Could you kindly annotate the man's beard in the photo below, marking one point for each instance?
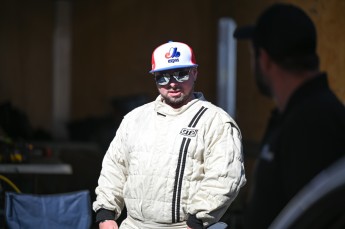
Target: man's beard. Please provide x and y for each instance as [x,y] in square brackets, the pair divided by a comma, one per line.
[263,86]
[177,102]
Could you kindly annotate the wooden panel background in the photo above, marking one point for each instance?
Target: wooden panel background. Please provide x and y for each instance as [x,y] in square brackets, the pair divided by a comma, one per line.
[112,43]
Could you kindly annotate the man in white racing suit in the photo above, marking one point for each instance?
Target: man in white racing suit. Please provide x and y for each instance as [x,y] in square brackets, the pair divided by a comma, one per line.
[175,162]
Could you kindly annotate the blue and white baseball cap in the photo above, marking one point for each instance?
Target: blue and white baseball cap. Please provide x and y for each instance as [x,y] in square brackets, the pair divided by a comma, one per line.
[172,55]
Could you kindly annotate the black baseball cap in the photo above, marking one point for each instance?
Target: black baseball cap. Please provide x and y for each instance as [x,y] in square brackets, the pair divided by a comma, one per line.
[284,31]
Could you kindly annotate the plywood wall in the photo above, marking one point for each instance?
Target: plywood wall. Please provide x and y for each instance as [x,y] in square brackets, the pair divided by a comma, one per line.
[112,42]
[26,31]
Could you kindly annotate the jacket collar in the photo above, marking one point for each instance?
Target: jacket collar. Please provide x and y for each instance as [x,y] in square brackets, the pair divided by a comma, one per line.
[163,108]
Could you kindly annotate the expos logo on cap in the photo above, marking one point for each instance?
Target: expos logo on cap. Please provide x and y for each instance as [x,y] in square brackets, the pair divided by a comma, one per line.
[172,55]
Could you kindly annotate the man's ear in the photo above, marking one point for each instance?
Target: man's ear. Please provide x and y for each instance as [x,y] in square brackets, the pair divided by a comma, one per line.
[195,73]
[264,60]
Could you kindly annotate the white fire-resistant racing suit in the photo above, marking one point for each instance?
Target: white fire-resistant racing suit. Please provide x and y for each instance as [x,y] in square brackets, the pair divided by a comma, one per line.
[165,164]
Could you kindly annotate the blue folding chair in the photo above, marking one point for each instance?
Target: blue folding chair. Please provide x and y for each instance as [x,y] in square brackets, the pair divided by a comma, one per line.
[54,211]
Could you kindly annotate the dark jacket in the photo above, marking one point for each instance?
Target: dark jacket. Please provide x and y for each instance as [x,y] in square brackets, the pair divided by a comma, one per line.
[298,144]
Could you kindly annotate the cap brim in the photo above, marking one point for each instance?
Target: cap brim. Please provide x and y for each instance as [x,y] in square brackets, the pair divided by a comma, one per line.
[245,32]
[173,67]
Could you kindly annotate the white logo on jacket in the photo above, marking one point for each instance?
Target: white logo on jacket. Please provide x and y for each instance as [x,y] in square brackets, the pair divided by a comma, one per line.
[266,154]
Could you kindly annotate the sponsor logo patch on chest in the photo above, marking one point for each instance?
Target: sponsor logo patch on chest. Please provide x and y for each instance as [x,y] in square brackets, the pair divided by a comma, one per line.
[188,132]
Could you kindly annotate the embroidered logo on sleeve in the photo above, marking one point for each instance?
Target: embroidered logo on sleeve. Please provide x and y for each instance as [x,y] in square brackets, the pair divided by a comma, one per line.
[188,132]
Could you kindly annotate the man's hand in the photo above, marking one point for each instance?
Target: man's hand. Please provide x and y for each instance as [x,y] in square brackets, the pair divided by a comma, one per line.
[108,224]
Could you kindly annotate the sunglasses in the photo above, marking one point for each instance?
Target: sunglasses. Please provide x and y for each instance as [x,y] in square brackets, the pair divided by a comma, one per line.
[163,78]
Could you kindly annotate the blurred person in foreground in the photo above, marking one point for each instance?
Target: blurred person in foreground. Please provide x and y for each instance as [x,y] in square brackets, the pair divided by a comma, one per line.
[306,131]
[175,162]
